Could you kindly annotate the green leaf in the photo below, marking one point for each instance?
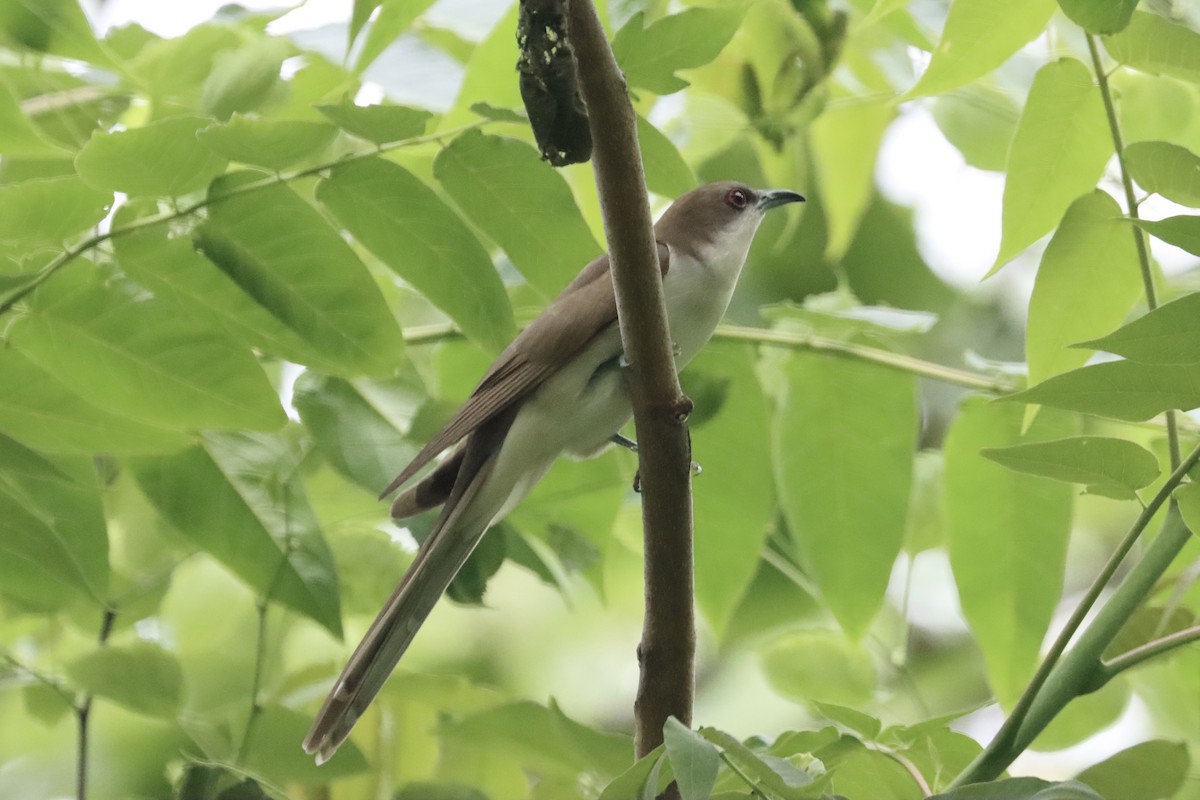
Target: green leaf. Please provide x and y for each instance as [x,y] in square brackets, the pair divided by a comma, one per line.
[1182,231]
[844,426]
[52,26]
[45,704]
[1114,468]
[1086,284]
[358,18]
[1153,44]
[667,174]
[274,750]
[280,250]
[1007,540]
[50,210]
[980,121]
[520,202]
[489,74]
[379,124]
[1188,497]
[633,782]
[810,665]
[53,537]
[539,738]
[980,35]
[199,289]
[19,137]
[244,79]
[940,754]
[650,55]
[1149,623]
[405,224]
[1058,152]
[394,18]
[1120,389]
[859,772]
[1100,18]
[358,426]
[845,142]
[133,355]
[694,761]
[256,519]
[1166,169]
[573,509]
[1147,771]
[734,449]
[141,677]
[497,114]
[863,724]
[48,414]
[1170,334]
[1084,716]
[757,767]
[270,143]
[1020,789]
[925,527]
[161,158]
[173,70]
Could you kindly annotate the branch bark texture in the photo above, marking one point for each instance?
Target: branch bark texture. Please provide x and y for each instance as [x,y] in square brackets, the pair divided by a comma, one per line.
[660,409]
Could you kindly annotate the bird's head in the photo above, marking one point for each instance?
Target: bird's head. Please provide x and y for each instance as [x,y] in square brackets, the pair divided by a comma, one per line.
[720,217]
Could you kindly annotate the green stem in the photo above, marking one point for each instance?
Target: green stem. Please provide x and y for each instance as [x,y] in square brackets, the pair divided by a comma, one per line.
[260,649]
[1139,237]
[83,712]
[261,606]
[1152,649]
[46,681]
[71,253]
[875,355]
[1036,707]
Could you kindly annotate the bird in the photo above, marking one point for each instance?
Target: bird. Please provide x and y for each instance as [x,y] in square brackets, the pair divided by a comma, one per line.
[557,389]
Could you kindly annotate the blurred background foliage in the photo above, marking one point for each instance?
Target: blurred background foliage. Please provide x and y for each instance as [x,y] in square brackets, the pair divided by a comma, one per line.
[247,270]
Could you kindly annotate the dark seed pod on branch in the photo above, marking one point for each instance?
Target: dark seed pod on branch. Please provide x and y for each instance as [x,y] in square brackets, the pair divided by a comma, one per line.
[548,82]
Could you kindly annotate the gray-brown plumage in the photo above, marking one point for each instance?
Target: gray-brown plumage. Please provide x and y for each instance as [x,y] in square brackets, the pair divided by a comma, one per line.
[557,388]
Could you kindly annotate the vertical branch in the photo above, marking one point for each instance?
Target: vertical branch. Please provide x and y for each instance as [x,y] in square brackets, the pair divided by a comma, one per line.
[83,712]
[660,408]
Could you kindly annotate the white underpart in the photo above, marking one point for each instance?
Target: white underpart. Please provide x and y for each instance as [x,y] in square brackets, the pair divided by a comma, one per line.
[577,410]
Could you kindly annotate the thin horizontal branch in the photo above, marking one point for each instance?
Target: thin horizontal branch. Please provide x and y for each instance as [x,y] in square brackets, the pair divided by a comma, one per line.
[876,355]
[428,334]
[1152,649]
[69,254]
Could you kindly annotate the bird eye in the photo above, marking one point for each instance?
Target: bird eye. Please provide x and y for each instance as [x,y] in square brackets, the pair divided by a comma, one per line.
[737,198]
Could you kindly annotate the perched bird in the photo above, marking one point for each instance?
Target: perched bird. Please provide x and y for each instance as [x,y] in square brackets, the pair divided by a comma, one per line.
[556,389]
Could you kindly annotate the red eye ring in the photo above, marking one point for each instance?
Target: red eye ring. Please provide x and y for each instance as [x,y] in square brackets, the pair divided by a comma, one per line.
[737,199]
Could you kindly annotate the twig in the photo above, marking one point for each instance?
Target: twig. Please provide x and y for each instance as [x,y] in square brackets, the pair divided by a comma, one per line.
[1128,660]
[71,253]
[261,606]
[83,712]
[660,408]
[876,355]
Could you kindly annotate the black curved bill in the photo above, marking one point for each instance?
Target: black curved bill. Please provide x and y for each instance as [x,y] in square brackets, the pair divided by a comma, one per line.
[769,198]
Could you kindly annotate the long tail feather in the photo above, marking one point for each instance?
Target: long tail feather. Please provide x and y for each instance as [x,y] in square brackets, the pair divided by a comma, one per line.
[452,540]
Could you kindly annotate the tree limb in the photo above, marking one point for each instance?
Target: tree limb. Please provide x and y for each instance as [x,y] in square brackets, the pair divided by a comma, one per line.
[660,408]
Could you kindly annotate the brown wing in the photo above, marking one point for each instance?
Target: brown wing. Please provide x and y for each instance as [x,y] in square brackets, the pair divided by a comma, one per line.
[574,318]
[583,309]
